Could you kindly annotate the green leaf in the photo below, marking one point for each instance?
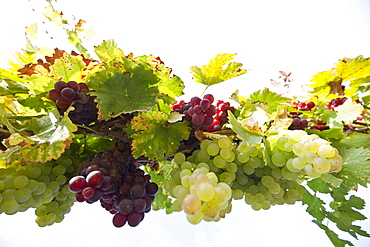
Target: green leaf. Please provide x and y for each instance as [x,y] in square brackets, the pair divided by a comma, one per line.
[218,70]
[127,92]
[354,139]
[329,178]
[322,79]
[272,99]
[333,133]
[108,51]
[351,68]
[356,166]
[252,138]
[167,85]
[52,135]
[319,185]
[315,206]
[155,138]
[333,236]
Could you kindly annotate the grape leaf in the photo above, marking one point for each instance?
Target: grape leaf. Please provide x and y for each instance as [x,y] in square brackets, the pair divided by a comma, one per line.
[155,138]
[333,133]
[268,97]
[216,72]
[108,51]
[315,206]
[319,185]
[52,135]
[356,166]
[351,68]
[333,236]
[252,138]
[321,81]
[354,139]
[126,92]
[168,85]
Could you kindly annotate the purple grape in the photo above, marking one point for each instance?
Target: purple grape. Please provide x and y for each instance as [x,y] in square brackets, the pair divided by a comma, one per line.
[137,191]
[139,205]
[151,188]
[68,93]
[53,95]
[74,85]
[133,219]
[195,101]
[63,103]
[59,85]
[125,206]
[198,118]
[119,220]
[205,104]
[209,97]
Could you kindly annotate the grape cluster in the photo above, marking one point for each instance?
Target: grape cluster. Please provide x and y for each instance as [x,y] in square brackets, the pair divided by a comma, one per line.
[221,116]
[298,123]
[73,93]
[198,191]
[202,113]
[42,186]
[303,106]
[335,103]
[121,188]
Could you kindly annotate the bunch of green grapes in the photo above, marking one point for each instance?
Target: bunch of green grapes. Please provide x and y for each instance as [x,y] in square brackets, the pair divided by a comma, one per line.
[43,186]
[198,191]
[300,153]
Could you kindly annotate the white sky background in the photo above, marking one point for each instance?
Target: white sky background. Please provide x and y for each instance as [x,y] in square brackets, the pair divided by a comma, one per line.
[303,37]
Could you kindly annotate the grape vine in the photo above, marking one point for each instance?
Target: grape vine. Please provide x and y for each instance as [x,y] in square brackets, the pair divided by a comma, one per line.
[113,131]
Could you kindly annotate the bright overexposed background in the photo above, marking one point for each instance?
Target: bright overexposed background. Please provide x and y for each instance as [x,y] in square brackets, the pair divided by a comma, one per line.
[303,37]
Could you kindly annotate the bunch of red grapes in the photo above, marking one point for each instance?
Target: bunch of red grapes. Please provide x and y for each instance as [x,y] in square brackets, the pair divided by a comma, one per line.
[70,93]
[202,114]
[122,189]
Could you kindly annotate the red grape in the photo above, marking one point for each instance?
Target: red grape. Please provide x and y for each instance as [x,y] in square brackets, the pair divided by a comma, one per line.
[77,184]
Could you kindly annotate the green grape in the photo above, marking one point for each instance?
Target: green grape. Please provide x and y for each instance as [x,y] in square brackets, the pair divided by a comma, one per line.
[227,187]
[58,170]
[186,165]
[290,184]
[20,181]
[293,194]
[237,194]
[34,172]
[224,142]
[210,210]
[201,178]
[195,218]
[311,172]
[8,194]
[289,175]
[249,198]
[44,178]
[177,206]
[203,156]
[231,167]
[256,206]
[254,162]
[50,218]
[204,191]
[278,159]
[219,162]
[175,175]
[310,146]
[242,179]
[23,194]
[267,194]
[61,196]
[288,147]
[279,194]
[243,146]
[248,169]
[281,142]
[297,148]
[191,204]
[232,157]
[261,187]
[274,189]
[2,185]
[290,167]
[32,185]
[221,195]
[185,172]
[53,205]
[9,206]
[227,177]
[213,149]
[336,164]
[61,179]
[326,151]
[40,189]
[54,186]
[321,165]
[243,157]
[259,172]
[252,151]
[203,164]
[204,144]
[266,205]
[259,198]
[267,181]
[225,153]
[179,158]
[185,181]
[253,189]
[65,207]
[310,157]
[212,177]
